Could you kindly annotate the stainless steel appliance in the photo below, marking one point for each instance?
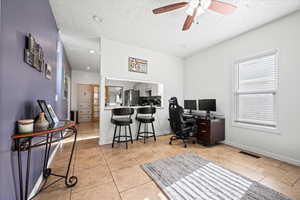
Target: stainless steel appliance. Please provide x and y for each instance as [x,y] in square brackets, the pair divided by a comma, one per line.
[131,97]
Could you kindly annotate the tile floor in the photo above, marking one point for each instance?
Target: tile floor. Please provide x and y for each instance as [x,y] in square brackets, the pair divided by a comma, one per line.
[114,174]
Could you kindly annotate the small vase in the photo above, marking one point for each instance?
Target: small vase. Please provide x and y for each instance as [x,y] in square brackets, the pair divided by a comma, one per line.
[41,123]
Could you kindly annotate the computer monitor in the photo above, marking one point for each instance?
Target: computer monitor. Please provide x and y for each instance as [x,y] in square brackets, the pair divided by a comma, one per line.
[190,105]
[207,105]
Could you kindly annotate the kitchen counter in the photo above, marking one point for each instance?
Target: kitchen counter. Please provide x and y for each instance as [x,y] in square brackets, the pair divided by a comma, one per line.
[112,107]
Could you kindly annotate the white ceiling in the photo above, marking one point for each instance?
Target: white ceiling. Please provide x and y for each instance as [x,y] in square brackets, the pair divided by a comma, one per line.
[78,52]
[132,22]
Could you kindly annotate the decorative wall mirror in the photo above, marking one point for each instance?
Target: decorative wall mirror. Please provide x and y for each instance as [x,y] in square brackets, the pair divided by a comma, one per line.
[113,95]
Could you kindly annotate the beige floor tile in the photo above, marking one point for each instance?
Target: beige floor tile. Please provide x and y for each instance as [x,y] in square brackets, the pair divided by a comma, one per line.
[278,174]
[281,187]
[244,171]
[94,166]
[87,144]
[100,192]
[265,161]
[130,177]
[90,151]
[297,184]
[122,163]
[292,169]
[92,177]
[57,195]
[87,161]
[148,191]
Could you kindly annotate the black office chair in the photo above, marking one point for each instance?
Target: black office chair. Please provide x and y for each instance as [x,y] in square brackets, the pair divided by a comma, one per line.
[183,128]
[122,117]
[145,116]
[173,103]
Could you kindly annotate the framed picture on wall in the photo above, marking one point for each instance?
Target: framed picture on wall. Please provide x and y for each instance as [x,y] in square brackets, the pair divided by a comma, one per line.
[52,114]
[66,86]
[33,53]
[48,71]
[137,65]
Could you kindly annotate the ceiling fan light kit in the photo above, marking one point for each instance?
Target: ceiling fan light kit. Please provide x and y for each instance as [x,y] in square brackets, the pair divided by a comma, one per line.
[197,8]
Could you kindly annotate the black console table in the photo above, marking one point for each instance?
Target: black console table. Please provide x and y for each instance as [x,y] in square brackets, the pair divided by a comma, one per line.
[45,137]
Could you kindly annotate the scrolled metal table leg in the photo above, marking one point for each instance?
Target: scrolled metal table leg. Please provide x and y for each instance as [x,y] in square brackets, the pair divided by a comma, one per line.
[18,145]
[46,171]
[28,168]
[71,181]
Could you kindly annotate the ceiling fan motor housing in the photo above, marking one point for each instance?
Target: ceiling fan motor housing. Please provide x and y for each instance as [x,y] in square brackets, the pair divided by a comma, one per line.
[205,4]
[201,6]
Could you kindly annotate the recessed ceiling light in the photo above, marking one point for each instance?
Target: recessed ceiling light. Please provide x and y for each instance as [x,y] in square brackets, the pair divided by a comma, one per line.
[88,67]
[92,51]
[97,19]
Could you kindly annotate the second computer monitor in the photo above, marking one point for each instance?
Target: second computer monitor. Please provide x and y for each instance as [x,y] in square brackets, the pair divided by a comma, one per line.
[190,105]
[207,105]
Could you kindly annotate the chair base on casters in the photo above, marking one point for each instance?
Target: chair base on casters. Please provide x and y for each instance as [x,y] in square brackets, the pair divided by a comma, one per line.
[183,139]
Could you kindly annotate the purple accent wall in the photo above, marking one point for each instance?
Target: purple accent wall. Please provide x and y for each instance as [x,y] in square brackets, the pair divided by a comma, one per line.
[20,84]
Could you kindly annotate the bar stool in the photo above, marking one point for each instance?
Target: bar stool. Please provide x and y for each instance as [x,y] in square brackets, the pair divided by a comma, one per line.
[122,117]
[145,116]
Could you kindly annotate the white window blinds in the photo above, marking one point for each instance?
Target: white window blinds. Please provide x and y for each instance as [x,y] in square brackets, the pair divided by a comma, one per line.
[256,88]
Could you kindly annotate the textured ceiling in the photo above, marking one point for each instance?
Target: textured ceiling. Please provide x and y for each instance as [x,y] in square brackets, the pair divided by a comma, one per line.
[132,22]
[78,52]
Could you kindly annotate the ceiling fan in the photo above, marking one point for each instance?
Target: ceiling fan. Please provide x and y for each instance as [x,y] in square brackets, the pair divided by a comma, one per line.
[196,8]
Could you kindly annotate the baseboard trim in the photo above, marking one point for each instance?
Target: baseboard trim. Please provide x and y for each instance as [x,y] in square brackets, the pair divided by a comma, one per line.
[40,179]
[265,153]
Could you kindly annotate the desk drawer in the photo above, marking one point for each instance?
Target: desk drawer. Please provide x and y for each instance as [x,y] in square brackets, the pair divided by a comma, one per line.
[204,124]
[203,131]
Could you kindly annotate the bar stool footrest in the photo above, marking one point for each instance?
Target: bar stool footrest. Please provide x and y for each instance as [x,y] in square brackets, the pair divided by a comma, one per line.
[116,139]
[149,134]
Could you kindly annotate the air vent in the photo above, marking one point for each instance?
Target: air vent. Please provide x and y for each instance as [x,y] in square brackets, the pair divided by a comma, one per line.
[250,154]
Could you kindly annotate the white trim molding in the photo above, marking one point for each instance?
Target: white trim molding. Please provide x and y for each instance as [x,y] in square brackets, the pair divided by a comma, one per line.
[264,153]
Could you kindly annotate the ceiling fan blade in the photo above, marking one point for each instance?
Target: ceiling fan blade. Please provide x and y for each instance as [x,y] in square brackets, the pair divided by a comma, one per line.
[169,7]
[222,7]
[189,21]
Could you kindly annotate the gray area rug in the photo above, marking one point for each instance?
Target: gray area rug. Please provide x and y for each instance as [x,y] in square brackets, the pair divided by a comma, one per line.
[189,177]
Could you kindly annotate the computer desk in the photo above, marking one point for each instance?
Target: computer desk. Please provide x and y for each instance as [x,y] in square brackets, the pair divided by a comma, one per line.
[211,130]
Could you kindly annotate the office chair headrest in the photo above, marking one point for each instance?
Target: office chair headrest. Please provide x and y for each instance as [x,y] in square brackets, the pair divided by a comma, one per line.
[173,101]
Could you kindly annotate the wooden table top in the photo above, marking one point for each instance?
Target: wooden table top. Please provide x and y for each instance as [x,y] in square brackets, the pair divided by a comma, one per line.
[61,125]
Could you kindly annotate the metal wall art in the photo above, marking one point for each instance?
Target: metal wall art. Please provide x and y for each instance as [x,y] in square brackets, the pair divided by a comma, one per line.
[137,65]
[34,55]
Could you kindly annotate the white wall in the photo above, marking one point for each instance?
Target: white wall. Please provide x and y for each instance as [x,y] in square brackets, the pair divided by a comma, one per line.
[162,68]
[209,74]
[81,77]
[143,87]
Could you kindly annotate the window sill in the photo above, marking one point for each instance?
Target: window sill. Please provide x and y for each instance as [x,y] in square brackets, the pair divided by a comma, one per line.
[260,128]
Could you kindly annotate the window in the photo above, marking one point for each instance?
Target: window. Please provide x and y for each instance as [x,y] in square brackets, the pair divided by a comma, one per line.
[255,94]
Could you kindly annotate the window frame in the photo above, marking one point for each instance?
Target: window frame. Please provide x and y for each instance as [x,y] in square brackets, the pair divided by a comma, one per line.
[270,128]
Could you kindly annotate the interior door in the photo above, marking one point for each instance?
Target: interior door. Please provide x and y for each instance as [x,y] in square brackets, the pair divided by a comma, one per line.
[85,93]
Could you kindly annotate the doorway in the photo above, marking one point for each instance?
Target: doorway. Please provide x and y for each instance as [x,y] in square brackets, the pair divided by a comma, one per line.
[88,103]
